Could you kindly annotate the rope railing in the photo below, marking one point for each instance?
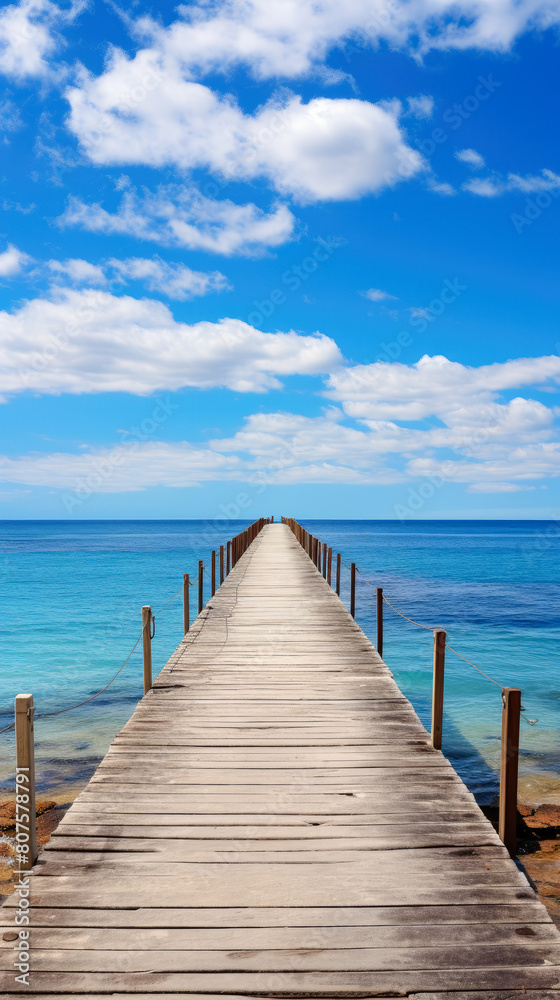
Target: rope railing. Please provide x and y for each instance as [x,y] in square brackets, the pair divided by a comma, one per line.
[512,709]
[25,716]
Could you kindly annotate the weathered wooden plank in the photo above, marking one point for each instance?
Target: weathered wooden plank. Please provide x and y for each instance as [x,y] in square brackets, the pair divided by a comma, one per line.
[528,909]
[321,983]
[227,939]
[317,958]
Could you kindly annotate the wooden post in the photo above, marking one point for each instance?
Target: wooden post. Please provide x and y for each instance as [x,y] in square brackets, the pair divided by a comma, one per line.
[338,564]
[437,691]
[379,603]
[325,560]
[221,565]
[353,589]
[213,573]
[509,762]
[200,585]
[147,646]
[228,558]
[186,602]
[329,566]
[25,782]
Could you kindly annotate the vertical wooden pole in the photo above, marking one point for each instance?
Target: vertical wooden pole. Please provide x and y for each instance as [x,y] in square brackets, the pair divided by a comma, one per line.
[147,646]
[228,558]
[221,565]
[325,560]
[329,565]
[437,691]
[353,589]
[213,573]
[186,602]
[25,781]
[379,605]
[509,763]
[200,585]
[338,565]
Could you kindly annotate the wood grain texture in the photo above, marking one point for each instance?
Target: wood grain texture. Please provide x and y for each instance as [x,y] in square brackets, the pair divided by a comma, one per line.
[272,820]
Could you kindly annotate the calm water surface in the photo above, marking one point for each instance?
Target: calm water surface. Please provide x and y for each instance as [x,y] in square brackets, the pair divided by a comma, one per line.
[73,591]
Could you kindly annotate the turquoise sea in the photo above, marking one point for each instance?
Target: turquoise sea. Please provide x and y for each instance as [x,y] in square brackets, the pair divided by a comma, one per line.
[73,592]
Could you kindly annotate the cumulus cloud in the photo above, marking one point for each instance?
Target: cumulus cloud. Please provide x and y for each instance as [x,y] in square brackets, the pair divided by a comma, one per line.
[292,38]
[287,447]
[461,410]
[29,36]
[181,216]
[447,423]
[433,386]
[324,150]
[91,341]
[377,295]
[177,281]
[78,271]
[421,106]
[471,157]
[12,261]
[492,187]
[128,466]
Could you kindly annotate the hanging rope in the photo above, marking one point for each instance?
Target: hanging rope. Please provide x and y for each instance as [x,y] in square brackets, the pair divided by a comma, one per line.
[430,628]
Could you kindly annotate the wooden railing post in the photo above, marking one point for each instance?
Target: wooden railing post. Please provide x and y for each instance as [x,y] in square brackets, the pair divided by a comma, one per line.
[509,763]
[329,565]
[228,558]
[200,585]
[221,565]
[213,574]
[325,560]
[26,817]
[379,608]
[186,602]
[338,566]
[353,589]
[437,691]
[147,646]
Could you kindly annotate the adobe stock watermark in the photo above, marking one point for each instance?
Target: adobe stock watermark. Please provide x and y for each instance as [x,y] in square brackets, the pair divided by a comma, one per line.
[103,469]
[418,496]
[293,278]
[454,116]
[534,208]
[420,320]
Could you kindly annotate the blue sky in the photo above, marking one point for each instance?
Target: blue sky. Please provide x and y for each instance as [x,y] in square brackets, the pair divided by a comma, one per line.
[279,257]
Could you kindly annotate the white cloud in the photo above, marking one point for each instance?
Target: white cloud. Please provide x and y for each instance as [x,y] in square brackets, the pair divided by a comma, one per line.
[461,409]
[177,281]
[291,38]
[29,36]
[421,106]
[129,466]
[377,295]
[78,271]
[439,187]
[497,488]
[323,150]
[181,216]
[471,157]
[492,187]
[12,261]
[434,386]
[91,341]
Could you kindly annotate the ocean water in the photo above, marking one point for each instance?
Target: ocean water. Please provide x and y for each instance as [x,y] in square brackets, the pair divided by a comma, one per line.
[73,592]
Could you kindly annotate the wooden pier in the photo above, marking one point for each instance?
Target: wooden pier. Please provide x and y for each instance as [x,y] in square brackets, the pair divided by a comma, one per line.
[274,821]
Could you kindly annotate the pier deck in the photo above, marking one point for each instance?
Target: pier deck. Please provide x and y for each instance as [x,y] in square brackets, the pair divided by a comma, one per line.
[272,820]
